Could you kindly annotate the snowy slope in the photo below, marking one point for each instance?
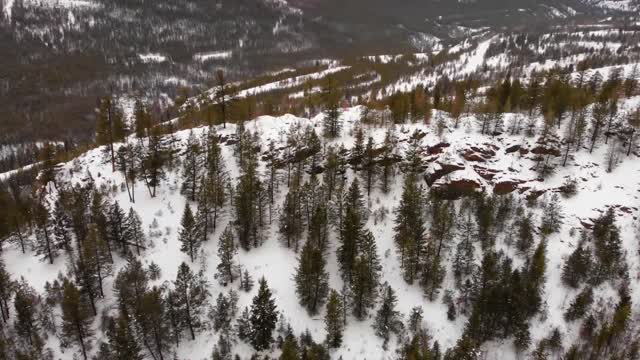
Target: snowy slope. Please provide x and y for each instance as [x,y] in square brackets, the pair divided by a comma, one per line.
[597,190]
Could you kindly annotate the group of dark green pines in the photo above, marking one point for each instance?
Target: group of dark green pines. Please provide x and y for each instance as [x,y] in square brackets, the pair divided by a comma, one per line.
[496,244]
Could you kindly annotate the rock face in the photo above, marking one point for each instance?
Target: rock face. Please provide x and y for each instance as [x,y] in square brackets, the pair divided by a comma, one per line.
[506,187]
[456,189]
[442,170]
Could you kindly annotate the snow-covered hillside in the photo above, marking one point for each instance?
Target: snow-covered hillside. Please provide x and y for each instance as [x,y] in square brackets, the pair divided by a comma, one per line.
[501,162]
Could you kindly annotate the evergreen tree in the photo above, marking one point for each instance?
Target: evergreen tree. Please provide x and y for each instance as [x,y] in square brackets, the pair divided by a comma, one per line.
[213,189]
[291,219]
[464,260]
[133,234]
[333,322]
[409,228]
[387,319]
[122,341]
[61,226]
[608,247]
[246,282]
[191,167]
[92,267]
[369,165]
[76,318]
[364,284]
[580,305]
[351,230]
[331,100]
[525,233]
[116,226]
[243,325]
[290,348]
[130,285]
[191,295]
[45,242]
[388,159]
[552,216]
[26,304]
[110,127]
[188,234]
[224,311]
[249,205]
[263,318]
[151,325]
[154,158]
[577,267]
[7,287]
[142,119]
[227,250]
[127,164]
[312,280]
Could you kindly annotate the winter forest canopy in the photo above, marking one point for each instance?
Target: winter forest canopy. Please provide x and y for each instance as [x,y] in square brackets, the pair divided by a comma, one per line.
[470,197]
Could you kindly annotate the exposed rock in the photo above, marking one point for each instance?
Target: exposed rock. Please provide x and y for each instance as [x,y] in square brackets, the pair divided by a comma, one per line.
[456,189]
[506,187]
[543,150]
[512,149]
[438,148]
[444,169]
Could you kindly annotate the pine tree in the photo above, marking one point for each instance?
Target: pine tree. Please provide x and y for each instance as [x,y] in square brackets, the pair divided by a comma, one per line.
[45,242]
[106,127]
[133,234]
[92,267]
[333,322]
[351,230]
[127,164]
[26,304]
[130,285]
[122,341]
[387,319]
[76,318]
[249,205]
[552,216]
[525,234]
[608,247]
[191,166]
[312,279]
[369,165]
[576,269]
[153,160]
[442,222]
[191,292]
[213,189]
[291,219]
[243,325]
[152,327]
[188,234]
[246,282]
[224,311]
[61,226]
[366,275]
[388,159]
[409,228]
[263,318]
[227,250]
[331,100]
[464,260]
[116,226]
[7,287]
[580,305]
[290,349]
[142,119]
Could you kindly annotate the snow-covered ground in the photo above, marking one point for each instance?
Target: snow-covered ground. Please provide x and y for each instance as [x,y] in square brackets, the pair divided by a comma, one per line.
[597,190]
